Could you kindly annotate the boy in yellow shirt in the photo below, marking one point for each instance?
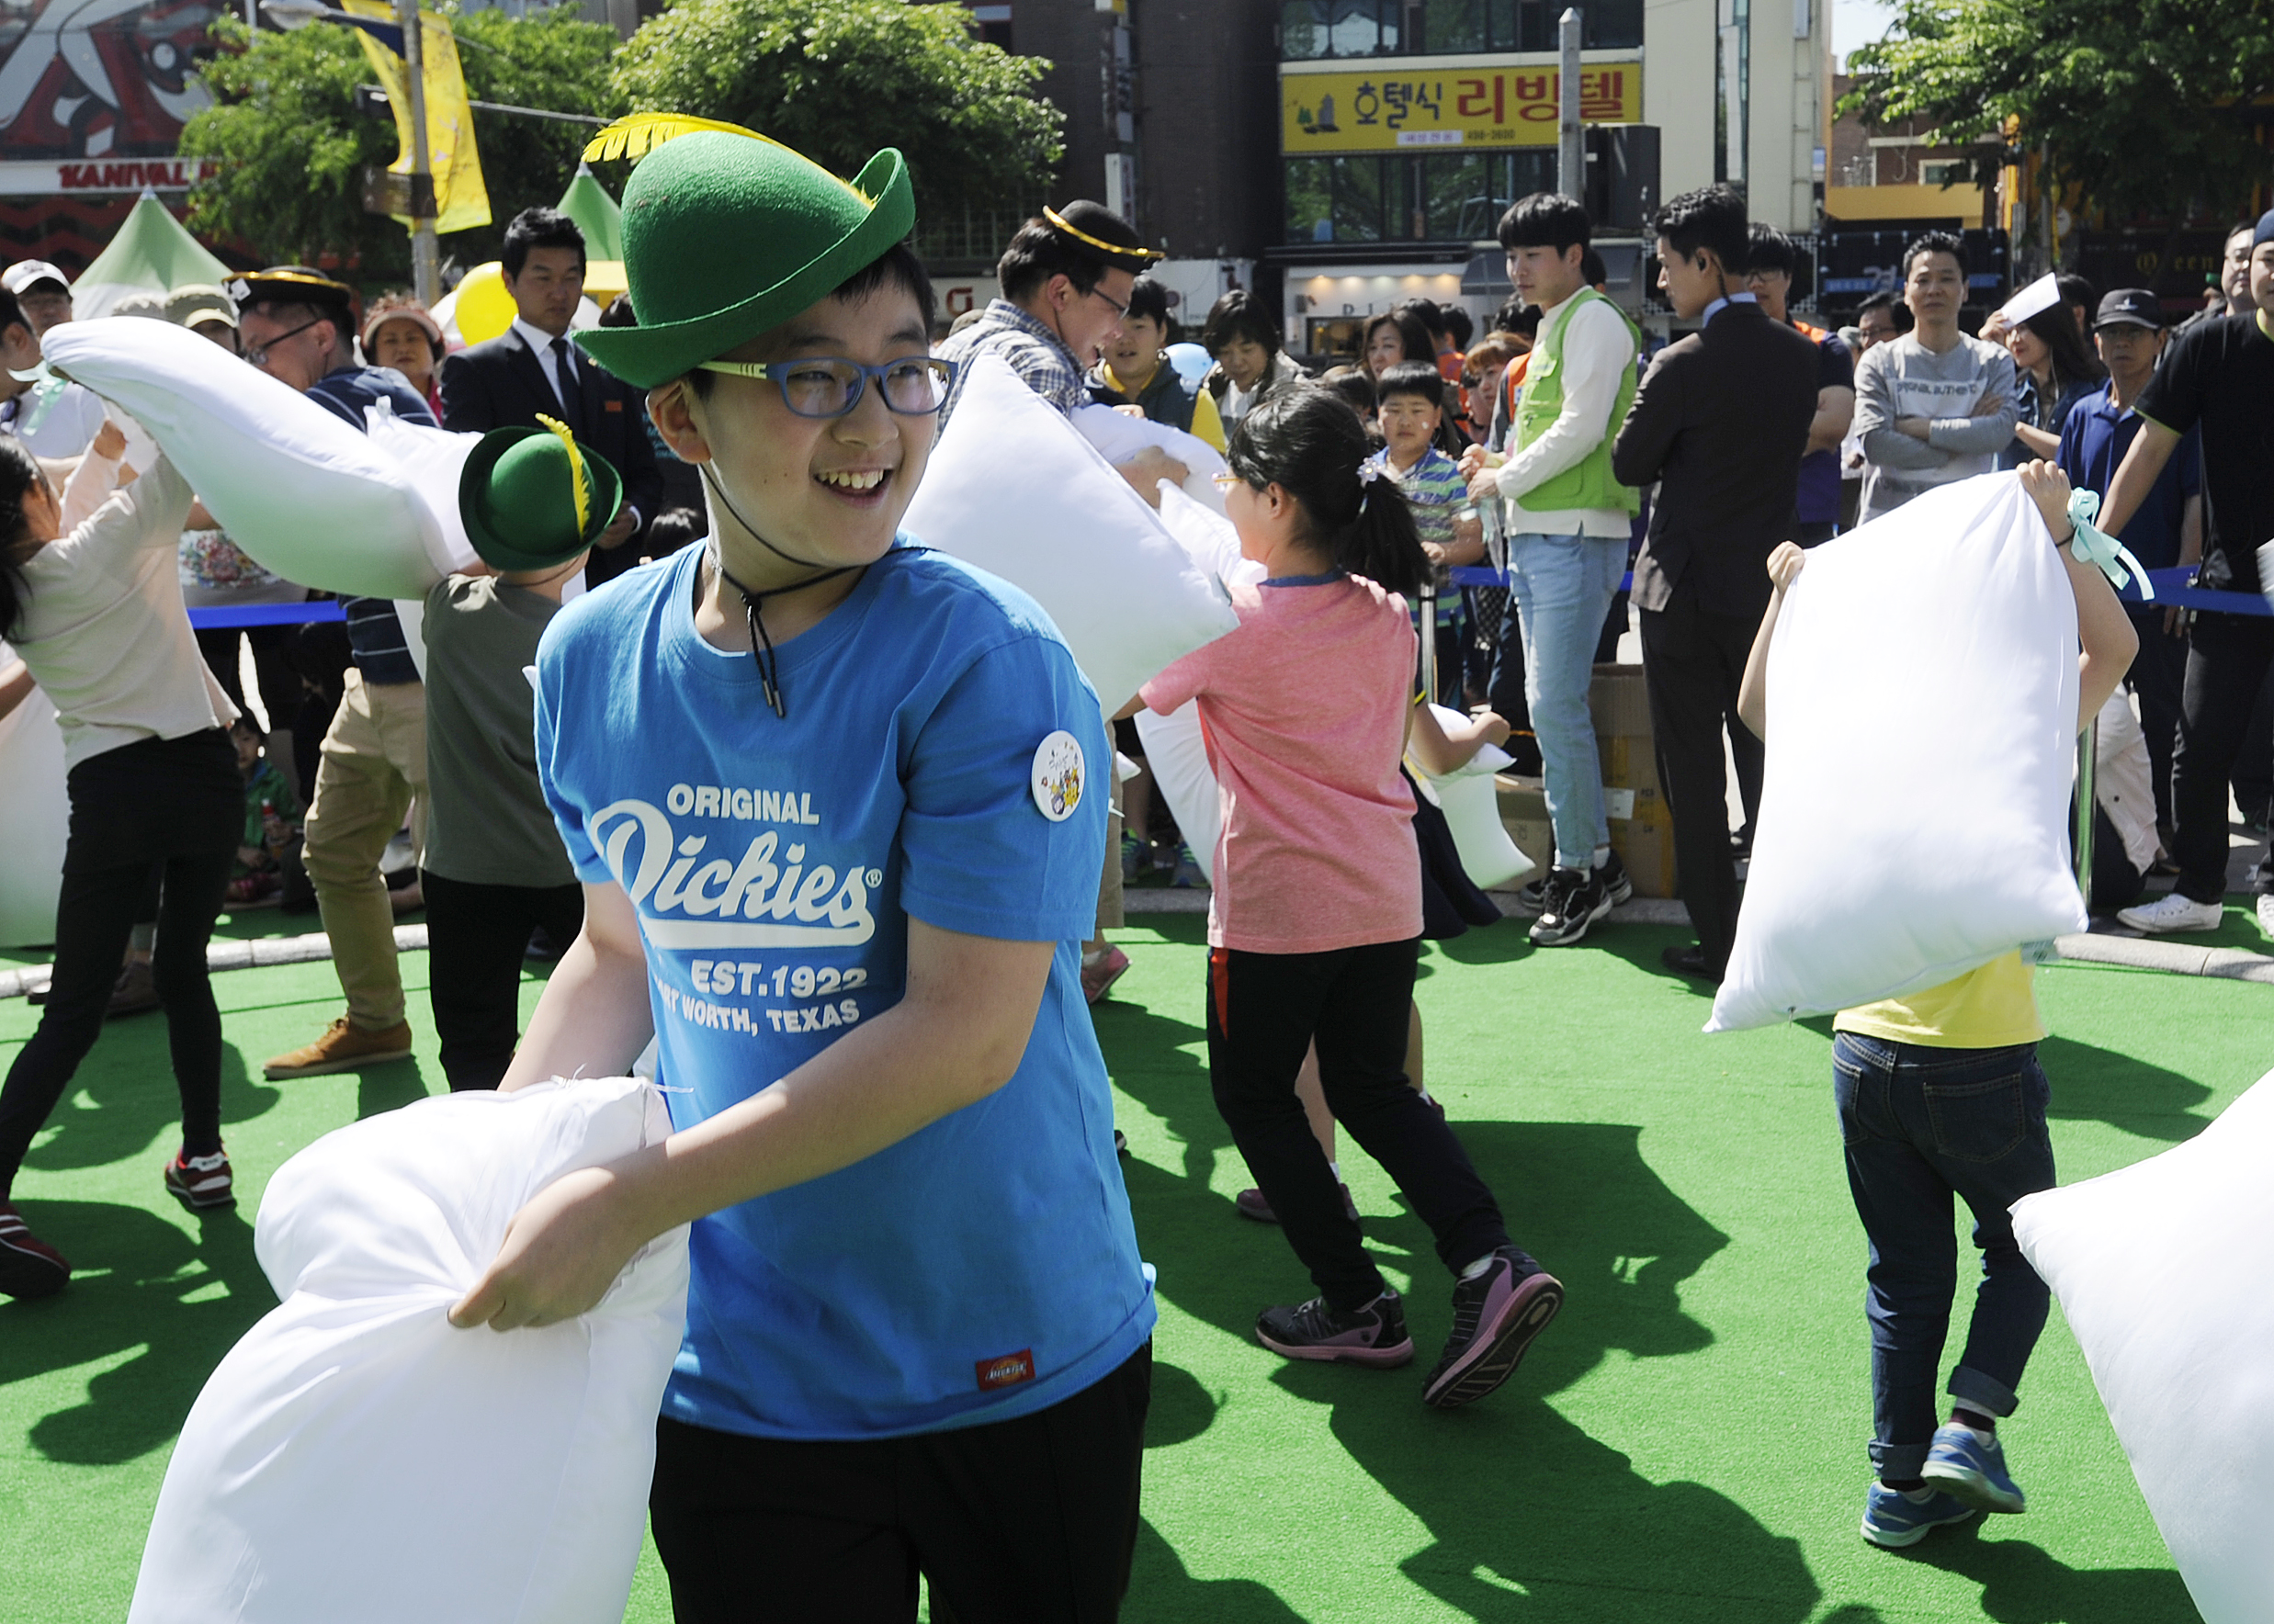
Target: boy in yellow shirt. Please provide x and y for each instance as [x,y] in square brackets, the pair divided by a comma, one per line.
[1941,1095]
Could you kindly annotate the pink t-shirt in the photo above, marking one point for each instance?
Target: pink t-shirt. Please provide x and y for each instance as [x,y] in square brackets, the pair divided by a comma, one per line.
[1303,712]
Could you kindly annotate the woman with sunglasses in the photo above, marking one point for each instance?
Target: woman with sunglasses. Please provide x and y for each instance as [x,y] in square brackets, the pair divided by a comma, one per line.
[838,805]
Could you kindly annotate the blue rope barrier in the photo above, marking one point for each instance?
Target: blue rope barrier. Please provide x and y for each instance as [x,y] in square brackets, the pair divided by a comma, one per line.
[229,617]
[2175,589]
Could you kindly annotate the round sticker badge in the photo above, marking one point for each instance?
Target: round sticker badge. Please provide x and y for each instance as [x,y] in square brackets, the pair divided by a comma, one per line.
[1060,775]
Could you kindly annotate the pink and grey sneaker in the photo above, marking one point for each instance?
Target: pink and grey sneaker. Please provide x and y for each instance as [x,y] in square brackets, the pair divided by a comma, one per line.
[28,1265]
[200,1182]
[1098,975]
[1495,1317]
[1374,1335]
[1249,1203]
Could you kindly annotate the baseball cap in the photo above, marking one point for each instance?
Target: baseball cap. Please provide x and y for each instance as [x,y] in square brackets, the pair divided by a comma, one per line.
[24,273]
[2129,306]
[201,301]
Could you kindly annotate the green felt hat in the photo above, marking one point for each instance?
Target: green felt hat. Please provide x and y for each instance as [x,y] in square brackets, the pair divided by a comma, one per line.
[728,233]
[533,497]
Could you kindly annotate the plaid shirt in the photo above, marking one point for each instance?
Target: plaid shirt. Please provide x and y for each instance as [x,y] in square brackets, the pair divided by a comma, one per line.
[1044,363]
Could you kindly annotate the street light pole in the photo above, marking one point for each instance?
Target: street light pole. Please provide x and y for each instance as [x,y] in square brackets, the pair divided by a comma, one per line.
[1571,139]
[426,252]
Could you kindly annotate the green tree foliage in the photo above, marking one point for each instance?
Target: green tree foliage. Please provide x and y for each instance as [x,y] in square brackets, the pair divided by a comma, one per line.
[837,79]
[292,148]
[2141,104]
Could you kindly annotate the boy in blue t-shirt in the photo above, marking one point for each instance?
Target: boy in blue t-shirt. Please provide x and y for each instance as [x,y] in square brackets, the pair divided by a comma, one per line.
[839,805]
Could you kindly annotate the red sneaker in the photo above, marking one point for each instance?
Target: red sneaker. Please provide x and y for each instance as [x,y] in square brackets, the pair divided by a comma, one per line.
[28,1265]
[200,1181]
[1098,977]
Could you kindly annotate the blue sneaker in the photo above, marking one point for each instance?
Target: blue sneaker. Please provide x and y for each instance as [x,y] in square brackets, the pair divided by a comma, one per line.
[1893,1520]
[1972,1469]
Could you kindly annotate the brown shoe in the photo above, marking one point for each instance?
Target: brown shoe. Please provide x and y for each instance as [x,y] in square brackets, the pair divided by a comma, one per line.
[137,990]
[345,1047]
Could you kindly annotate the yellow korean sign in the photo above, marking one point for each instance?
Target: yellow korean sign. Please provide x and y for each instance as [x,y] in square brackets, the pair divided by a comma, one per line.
[1388,109]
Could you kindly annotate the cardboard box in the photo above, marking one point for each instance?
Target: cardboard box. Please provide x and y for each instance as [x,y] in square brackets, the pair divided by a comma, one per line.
[1641,831]
[1523,813]
[1619,703]
[1629,762]
[1644,841]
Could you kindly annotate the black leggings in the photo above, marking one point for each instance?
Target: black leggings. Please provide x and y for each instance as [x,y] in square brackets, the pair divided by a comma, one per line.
[476,936]
[1264,1010]
[174,806]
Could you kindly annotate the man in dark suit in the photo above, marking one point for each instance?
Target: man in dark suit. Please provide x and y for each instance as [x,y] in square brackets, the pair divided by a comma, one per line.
[1720,422]
[533,368]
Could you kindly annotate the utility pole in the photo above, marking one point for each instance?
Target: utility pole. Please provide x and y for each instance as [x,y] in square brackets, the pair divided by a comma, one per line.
[1571,143]
[426,252]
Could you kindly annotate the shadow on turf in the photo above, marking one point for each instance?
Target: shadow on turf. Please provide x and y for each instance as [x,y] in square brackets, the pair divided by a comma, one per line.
[2021,1585]
[1518,1501]
[139,1290]
[122,1100]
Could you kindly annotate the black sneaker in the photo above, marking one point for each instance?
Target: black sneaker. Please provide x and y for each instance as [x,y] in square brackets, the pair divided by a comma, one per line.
[1610,874]
[1374,1335]
[1495,1317]
[1573,902]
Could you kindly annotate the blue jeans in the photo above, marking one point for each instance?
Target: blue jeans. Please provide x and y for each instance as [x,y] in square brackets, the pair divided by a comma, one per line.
[1920,1125]
[1560,588]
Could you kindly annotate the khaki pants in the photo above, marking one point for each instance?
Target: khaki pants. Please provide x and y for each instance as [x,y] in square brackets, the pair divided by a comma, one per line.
[372,768]
[1109,883]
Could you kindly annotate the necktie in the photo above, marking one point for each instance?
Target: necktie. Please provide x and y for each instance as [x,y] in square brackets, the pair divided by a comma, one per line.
[568,387]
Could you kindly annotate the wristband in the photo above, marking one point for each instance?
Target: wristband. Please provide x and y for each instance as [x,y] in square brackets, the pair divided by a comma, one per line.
[2102,550]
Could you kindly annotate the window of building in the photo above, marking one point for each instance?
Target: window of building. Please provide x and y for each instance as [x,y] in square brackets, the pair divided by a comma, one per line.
[1443,197]
[1313,29]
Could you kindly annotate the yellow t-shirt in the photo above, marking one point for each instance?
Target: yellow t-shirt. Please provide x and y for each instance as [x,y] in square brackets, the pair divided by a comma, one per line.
[1992,1008]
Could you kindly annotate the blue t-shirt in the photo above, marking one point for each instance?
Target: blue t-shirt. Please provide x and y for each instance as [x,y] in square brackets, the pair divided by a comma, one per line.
[2093,442]
[986,1266]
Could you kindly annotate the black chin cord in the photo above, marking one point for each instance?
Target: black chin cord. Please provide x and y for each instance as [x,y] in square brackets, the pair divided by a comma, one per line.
[760,645]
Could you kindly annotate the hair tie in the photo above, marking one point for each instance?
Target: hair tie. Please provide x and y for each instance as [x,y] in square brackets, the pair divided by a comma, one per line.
[1369,471]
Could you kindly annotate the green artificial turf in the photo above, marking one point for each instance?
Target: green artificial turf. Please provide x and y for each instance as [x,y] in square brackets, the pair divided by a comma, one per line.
[1686,1443]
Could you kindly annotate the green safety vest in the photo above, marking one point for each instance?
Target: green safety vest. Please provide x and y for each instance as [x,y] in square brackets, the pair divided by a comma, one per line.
[1588,485]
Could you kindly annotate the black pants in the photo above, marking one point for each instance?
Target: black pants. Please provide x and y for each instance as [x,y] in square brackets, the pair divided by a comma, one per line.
[175,807]
[272,667]
[2227,660]
[1693,664]
[1028,1519]
[2158,678]
[1264,1010]
[476,936]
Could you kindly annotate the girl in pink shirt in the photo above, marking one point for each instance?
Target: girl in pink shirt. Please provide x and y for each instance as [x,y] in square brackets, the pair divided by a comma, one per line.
[1315,921]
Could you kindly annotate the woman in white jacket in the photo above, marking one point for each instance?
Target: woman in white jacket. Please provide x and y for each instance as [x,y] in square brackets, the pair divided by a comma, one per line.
[91,599]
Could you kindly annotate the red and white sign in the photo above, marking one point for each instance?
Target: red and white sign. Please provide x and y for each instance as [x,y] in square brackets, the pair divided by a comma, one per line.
[34,177]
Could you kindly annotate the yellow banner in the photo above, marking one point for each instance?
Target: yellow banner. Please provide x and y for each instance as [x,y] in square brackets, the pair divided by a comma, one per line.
[462,200]
[1385,110]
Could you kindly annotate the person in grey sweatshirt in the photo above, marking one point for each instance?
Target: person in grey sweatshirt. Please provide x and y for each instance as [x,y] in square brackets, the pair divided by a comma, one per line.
[1933,406]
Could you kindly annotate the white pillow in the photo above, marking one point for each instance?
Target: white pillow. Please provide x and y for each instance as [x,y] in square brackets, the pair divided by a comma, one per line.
[35,809]
[358,1460]
[310,498]
[2161,1270]
[1015,490]
[1922,738]
[1471,803]
[1119,437]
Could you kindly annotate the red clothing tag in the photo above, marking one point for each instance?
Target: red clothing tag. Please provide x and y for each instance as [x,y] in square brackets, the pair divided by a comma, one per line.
[611,405]
[1008,1371]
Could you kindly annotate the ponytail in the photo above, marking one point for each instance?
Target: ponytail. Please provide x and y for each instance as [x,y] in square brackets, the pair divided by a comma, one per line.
[19,476]
[1311,444]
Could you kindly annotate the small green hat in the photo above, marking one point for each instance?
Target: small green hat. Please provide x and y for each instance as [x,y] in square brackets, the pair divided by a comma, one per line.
[533,497]
[728,233]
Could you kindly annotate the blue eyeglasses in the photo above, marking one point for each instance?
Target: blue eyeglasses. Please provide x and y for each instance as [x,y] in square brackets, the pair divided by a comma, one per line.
[830,386]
